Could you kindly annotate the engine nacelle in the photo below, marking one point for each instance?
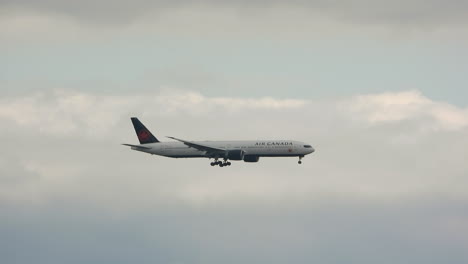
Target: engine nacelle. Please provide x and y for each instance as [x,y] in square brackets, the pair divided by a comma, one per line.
[251,158]
[237,154]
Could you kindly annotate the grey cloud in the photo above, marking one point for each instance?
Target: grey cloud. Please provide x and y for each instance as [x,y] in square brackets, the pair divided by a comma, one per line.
[413,12]
[330,231]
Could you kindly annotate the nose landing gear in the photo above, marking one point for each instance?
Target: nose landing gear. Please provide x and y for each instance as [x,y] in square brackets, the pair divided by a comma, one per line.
[300,160]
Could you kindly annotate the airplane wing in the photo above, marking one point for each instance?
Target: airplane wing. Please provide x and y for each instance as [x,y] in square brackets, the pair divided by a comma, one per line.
[201,147]
[136,146]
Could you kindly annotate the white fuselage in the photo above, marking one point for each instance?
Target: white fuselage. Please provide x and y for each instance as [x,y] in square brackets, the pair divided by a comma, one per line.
[259,148]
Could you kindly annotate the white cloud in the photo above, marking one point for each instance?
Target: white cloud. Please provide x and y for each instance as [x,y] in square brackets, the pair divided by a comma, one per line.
[408,106]
[381,145]
[67,112]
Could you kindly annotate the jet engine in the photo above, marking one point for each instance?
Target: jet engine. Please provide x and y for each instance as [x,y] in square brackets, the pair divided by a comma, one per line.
[237,154]
[251,158]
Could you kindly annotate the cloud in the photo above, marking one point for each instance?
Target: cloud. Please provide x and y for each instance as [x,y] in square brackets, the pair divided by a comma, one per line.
[375,139]
[65,113]
[414,12]
[383,184]
[332,232]
[409,106]
[84,24]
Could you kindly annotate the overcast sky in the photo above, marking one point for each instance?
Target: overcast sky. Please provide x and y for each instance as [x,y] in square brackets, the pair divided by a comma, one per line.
[379,88]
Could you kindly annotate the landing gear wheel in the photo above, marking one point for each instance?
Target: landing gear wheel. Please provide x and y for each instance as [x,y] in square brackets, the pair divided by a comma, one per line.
[299,162]
[228,163]
[221,165]
[212,163]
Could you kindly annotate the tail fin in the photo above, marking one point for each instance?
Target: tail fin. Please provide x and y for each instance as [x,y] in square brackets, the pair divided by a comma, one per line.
[144,135]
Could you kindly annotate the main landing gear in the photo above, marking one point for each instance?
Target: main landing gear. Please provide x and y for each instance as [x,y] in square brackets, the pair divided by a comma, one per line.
[220,163]
[300,160]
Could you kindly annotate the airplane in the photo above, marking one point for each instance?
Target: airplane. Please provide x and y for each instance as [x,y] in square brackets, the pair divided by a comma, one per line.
[248,151]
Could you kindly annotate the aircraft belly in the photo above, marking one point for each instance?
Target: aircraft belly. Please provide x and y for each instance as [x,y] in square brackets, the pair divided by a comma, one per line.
[273,152]
[188,152]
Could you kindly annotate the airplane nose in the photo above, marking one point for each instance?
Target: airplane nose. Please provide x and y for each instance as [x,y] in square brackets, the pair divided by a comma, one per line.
[312,150]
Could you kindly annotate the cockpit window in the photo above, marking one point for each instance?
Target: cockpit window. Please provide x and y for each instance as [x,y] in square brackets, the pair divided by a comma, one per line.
[307,146]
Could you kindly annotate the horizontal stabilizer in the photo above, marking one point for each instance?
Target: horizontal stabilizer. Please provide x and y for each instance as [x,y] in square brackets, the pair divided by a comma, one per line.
[136,146]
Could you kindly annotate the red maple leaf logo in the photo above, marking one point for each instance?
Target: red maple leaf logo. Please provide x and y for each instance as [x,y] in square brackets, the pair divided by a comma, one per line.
[143,135]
